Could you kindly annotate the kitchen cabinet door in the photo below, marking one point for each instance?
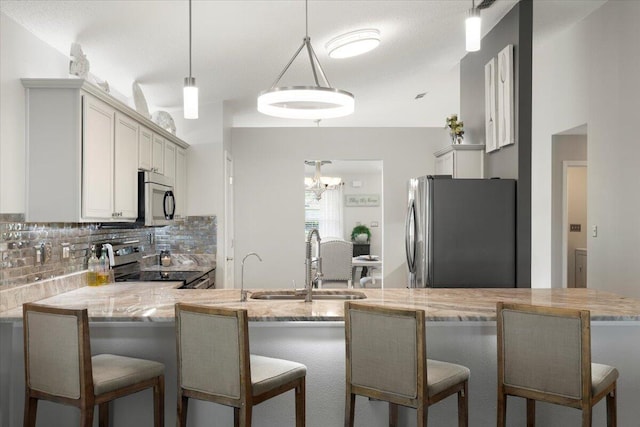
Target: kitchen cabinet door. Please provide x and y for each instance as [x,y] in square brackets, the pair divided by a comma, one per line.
[460,161]
[181,182]
[97,158]
[157,154]
[170,161]
[145,139]
[126,168]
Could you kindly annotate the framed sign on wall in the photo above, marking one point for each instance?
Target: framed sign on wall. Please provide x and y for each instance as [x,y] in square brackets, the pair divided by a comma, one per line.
[358,200]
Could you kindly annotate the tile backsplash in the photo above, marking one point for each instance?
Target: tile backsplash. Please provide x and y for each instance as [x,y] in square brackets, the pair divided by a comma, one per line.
[20,263]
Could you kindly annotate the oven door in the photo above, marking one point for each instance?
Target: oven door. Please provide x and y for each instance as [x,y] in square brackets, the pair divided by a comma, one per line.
[201,283]
[160,204]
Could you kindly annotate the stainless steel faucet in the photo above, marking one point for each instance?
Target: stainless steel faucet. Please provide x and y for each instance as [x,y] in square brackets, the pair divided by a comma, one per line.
[243,293]
[309,281]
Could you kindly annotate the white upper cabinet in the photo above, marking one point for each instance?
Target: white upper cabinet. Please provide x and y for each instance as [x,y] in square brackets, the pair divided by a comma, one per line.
[180,187]
[83,151]
[145,138]
[157,154]
[97,159]
[170,161]
[125,171]
[460,161]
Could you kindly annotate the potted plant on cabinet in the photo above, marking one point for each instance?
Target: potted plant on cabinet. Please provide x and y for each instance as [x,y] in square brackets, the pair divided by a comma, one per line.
[360,234]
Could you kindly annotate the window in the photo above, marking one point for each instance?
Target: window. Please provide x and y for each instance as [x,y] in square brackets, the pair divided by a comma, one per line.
[311,212]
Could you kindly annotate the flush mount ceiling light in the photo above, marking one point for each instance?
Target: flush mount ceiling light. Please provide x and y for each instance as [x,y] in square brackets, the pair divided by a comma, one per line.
[306,102]
[473,25]
[353,43]
[190,91]
[319,184]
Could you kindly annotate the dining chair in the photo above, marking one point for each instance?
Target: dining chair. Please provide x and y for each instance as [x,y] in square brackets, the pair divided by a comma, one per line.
[215,365]
[337,256]
[59,367]
[386,360]
[544,353]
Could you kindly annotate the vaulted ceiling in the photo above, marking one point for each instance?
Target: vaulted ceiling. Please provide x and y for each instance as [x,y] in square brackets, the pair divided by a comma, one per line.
[239,48]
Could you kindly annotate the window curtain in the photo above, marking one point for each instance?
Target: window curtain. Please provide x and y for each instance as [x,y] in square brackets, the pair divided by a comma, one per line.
[331,220]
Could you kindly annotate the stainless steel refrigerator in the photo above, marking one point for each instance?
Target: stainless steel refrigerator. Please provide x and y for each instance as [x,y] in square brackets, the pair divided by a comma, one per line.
[461,232]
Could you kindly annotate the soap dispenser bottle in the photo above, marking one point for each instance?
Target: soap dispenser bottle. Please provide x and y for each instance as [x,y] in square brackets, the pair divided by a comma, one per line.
[93,267]
[103,272]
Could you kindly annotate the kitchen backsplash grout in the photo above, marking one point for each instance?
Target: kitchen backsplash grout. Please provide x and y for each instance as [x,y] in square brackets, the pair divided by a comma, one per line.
[18,241]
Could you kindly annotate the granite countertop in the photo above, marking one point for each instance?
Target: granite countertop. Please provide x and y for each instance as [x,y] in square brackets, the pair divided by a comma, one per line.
[154,302]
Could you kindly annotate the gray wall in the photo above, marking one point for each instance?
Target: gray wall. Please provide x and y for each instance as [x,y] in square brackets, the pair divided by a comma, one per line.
[269,192]
[513,161]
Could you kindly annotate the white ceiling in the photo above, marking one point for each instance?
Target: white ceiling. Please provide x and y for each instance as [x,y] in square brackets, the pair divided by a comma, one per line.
[239,48]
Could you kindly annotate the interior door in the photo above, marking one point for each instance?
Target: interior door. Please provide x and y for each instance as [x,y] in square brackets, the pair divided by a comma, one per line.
[229,263]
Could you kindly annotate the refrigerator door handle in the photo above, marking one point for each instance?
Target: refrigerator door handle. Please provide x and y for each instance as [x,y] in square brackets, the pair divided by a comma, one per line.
[411,254]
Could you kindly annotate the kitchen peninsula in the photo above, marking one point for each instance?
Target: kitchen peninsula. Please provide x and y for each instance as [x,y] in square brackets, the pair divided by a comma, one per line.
[137,319]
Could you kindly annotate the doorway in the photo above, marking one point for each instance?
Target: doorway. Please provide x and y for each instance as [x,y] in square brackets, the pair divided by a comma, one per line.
[574,229]
[569,152]
[229,249]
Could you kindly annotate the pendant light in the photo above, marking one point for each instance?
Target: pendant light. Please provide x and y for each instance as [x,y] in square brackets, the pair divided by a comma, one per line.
[473,26]
[306,102]
[190,90]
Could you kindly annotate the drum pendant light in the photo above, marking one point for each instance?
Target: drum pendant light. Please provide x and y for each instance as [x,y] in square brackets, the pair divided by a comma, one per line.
[473,26]
[190,91]
[306,102]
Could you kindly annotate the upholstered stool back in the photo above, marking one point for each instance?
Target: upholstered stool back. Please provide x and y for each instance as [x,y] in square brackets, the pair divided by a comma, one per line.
[544,353]
[210,347]
[54,359]
[388,340]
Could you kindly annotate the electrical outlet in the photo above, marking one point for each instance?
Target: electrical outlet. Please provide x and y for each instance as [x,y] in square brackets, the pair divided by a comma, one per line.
[594,231]
[65,250]
[574,227]
[374,224]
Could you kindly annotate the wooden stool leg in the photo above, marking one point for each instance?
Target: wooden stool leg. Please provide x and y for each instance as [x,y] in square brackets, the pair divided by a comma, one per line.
[463,406]
[103,414]
[183,404]
[158,402]
[86,416]
[422,412]
[245,415]
[612,411]
[502,409]
[236,417]
[30,409]
[349,410]
[531,413]
[393,415]
[586,416]
[301,404]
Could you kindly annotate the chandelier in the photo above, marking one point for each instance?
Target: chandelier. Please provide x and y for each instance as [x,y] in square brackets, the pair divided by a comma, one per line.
[312,101]
[319,184]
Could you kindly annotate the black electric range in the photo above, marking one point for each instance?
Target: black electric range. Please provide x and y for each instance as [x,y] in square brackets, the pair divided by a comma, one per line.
[189,279]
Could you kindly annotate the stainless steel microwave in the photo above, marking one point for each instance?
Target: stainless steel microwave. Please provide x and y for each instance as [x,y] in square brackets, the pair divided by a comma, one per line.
[156,199]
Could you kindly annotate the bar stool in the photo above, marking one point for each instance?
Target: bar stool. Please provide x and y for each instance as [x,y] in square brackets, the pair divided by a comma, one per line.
[214,364]
[386,360]
[544,353]
[59,367]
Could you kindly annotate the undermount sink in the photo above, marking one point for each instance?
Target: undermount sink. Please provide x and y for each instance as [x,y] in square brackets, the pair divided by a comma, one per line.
[317,295]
